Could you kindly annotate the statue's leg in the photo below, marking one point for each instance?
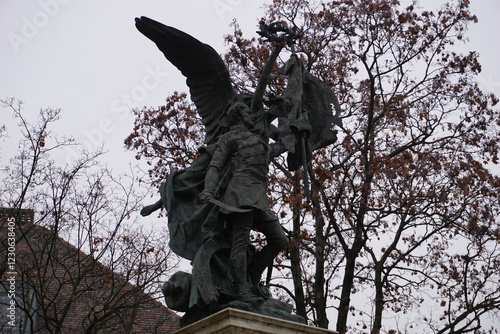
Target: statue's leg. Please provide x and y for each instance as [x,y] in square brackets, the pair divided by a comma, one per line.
[276,240]
[241,224]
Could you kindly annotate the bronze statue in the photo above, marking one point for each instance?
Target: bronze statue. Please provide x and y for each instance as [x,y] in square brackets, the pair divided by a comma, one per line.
[213,204]
[244,155]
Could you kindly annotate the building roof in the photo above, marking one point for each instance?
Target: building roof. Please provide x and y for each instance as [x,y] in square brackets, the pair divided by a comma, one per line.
[67,288]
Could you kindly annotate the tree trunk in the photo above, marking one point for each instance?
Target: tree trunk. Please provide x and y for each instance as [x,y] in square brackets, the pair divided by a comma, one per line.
[379,300]
[359,231]
[300,302]
[345,296]
[294,252]
[348,281]
[319,275]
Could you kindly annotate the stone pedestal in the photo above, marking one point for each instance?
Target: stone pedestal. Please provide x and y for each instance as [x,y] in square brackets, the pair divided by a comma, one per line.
[233,321]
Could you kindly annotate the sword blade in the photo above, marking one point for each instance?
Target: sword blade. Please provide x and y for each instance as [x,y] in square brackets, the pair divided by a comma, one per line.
[228,207]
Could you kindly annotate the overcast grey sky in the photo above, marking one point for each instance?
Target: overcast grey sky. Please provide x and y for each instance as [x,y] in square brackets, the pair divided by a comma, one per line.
[87,58]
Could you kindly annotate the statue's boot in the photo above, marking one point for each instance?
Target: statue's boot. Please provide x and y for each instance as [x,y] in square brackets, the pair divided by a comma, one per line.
[262,260]
[246,295]
[276,240]
[239,267]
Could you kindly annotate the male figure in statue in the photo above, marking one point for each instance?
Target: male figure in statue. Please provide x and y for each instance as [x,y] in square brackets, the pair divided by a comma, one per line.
[246,156]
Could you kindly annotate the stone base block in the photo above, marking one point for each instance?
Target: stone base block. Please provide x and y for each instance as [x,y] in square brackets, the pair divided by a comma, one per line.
[233,321]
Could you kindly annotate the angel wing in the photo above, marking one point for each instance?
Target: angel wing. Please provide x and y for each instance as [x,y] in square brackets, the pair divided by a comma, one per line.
[206,74]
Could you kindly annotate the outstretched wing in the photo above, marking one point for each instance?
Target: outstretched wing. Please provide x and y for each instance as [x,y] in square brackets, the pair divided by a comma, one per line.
[207,75]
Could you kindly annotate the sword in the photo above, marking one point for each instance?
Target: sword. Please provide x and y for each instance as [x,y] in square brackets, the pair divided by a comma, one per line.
[228,207]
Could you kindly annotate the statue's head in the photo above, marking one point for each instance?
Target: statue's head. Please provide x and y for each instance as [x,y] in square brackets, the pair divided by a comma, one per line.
[239,112]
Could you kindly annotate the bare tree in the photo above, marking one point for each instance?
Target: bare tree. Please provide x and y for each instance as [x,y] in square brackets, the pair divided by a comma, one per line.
[404,206]
[110,267]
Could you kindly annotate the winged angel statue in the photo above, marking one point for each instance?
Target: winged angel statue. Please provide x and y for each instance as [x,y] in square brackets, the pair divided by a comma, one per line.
[214,204]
